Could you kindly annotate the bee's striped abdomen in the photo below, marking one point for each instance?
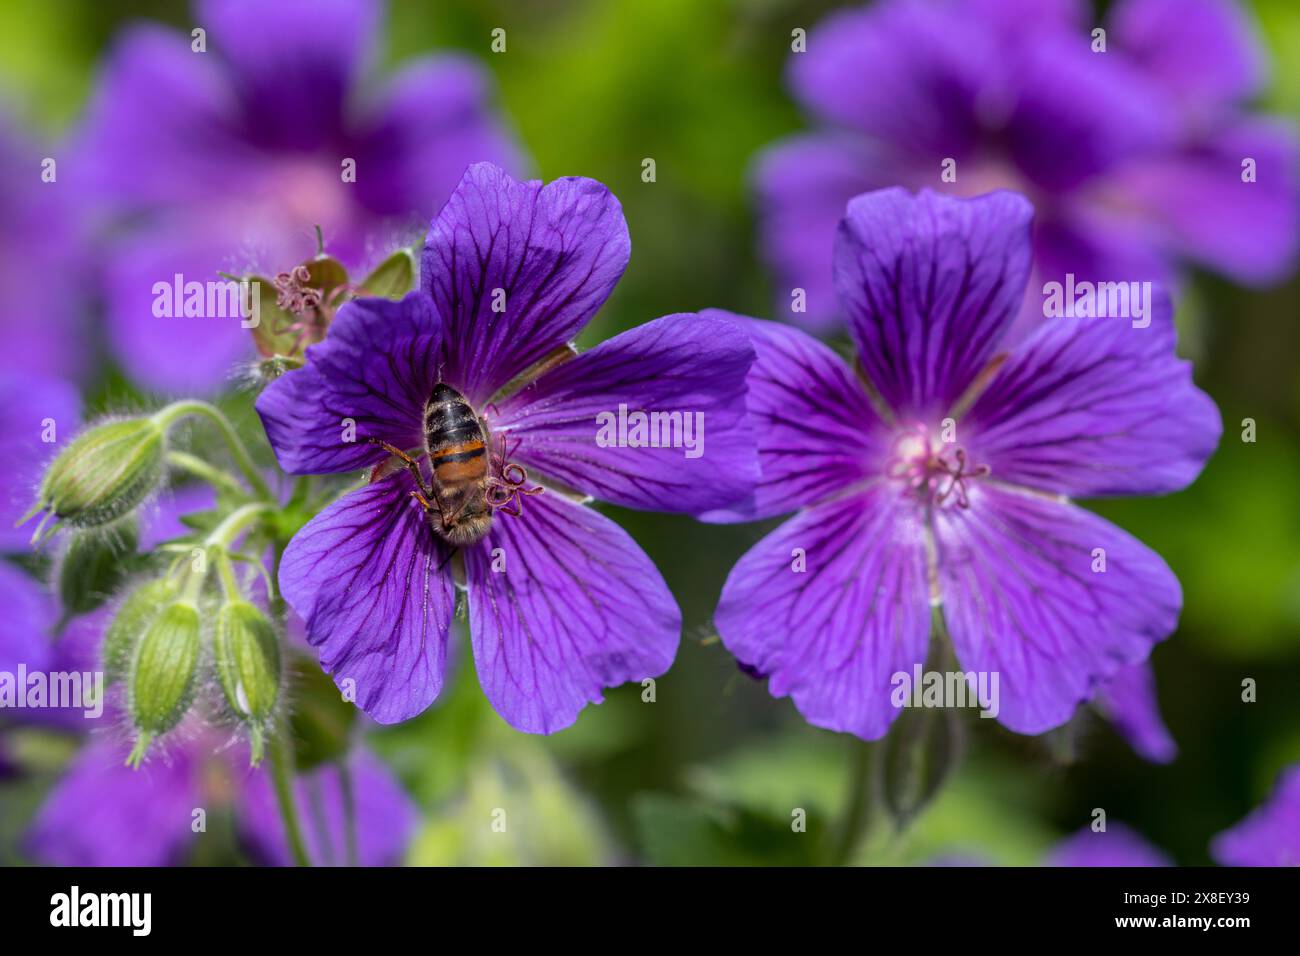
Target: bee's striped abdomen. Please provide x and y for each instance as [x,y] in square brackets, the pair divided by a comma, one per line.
[455,439]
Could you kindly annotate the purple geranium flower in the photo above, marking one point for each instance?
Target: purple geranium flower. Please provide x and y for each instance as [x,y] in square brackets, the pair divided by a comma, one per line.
[940,475]
[1270,835]
[1133,158]
[226,159]
[562,602]
[1117,845]
[103,813]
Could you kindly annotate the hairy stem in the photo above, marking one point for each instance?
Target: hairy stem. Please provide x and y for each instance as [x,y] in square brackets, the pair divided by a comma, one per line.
[282,772]
[168,416]
[857,806]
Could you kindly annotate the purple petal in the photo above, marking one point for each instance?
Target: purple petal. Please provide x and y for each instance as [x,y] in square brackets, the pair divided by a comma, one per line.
[1095,406]
[1117,845]
[690,366]
[930,283]
[833,635]
[575,607]
[803,186]
[25,625]
[1129,702]
[1204,52]
[103,813]
[365,576]
[816,430]
[1021,599]
[292,63]
[433,121]
[1201,207]
[26,405]
[384,816]
[517,269]
[376,369]
[1270,835]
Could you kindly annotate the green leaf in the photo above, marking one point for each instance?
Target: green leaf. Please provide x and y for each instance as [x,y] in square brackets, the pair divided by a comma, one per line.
[392,278]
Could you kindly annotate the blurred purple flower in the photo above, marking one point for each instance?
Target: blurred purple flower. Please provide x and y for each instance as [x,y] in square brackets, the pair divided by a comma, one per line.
[103,813]
[940,474]
[1270,835]
[32,409]
[562,602]
[226,159]
[1129,702]
[1132,157]
[1117,845]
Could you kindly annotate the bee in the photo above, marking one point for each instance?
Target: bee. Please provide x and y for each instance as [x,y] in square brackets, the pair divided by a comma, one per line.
[464,494]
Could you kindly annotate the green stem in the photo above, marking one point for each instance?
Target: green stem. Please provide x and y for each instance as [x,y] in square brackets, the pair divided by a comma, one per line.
[282,776]
[857,804]
[235,522]
[204,472]
[168,416]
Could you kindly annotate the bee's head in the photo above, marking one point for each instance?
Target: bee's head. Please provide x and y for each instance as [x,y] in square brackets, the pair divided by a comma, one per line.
[470,525]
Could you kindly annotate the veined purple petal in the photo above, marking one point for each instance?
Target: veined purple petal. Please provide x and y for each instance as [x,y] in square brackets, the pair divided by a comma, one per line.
[830,606]
[375,370]
[517,269]
[384,817]
[366,575]
[1129,702]
[685,374]
[1021,599]
[804,184]
[1199,205]
[1095,406]
[30,410]
[563,604]
[292,63]
[930,284]
[434,119]
[103,813]
[1270,835]
[815,428]
[1203,52]
[1117,845]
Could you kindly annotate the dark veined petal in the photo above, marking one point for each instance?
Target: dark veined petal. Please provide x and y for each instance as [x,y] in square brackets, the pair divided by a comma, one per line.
[1129,702]
[1022,599]
[830,606]
[930,283]
[815,428]
[370,378]
[517,269]
[292,63]
[366,576]
[686,374]
[1270,835]
[573,607]
[104,813]
[1096,406]
[1117,845]
[384,816]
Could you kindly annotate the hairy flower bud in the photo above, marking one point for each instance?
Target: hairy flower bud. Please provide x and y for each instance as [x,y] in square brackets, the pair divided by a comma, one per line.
[248,665]
[93,566]
[104,473]
[129,624]
[163,671]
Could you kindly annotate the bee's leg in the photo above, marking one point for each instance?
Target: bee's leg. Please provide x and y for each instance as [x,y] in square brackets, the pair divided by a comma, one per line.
[425,491]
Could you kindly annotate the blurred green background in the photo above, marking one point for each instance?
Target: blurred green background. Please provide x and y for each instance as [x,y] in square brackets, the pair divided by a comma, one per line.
[711,771]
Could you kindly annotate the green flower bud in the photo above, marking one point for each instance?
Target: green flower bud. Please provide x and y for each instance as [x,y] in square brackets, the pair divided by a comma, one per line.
[105,473]
[129,624]
[392,278]
[163,671]
[93,566]
[248,665]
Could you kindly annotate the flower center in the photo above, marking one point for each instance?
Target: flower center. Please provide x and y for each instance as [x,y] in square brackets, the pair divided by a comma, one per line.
[935,470]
